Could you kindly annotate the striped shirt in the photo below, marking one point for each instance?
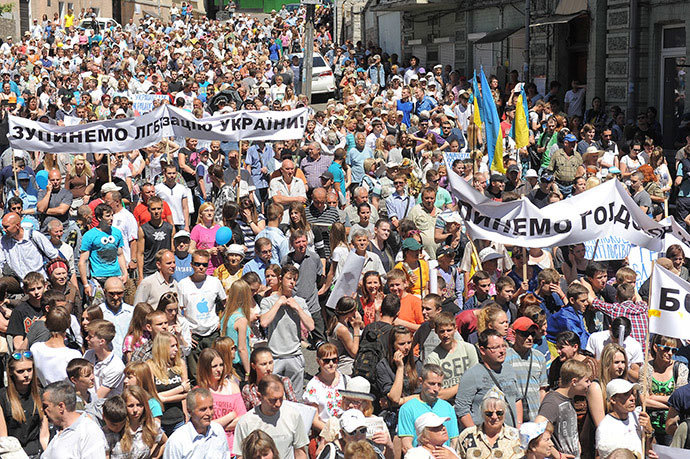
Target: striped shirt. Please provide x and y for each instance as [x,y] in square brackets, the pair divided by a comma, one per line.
[538,377]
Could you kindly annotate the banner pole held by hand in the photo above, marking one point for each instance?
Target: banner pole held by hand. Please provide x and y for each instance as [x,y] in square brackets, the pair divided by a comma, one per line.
[594,252]
[524,264]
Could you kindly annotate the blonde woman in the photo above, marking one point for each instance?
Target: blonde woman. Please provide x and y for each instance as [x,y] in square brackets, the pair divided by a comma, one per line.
[235,321]
[170,378]
[203,236]
[79,181]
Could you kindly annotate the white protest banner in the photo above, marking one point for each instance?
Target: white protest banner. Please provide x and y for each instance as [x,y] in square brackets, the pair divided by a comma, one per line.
[111,136]
[143,103]
[347,283]
[669,304]
[608,248]
[602,211]
[306,412]
[641,261]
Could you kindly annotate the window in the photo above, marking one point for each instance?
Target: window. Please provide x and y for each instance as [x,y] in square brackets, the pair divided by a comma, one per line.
[70,6]
[674,38]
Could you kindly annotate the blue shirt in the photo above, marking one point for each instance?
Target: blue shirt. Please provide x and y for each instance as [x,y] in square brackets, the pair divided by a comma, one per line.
[183,267]
[256,265]
[355,159]
[399,206]
[414,408]
[426,104]
[338,175]
[406,108]
[102,248]
[684,188]
[567,319]
[255,159]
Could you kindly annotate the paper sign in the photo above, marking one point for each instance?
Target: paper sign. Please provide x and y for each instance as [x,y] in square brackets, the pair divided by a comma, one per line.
[640,260]
[608,248]
[307,413]
[347,283]
[666,452]
[143,103]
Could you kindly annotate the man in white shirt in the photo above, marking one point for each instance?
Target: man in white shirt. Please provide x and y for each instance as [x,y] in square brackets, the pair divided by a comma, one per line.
[199,438]
[285,190]
[78,436]
[200,296]
[575,100]
[108,367]
[175,195]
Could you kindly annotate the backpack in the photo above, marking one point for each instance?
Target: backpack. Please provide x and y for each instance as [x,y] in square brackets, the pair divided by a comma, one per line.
[372,349]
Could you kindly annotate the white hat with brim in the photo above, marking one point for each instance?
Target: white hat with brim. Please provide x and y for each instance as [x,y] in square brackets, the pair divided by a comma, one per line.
[109,186]
[488,254]
[428,420]
[620,386]
[352,420]
[358,388]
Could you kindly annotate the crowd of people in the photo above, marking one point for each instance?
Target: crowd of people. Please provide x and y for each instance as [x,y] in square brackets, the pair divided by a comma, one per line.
[158,302]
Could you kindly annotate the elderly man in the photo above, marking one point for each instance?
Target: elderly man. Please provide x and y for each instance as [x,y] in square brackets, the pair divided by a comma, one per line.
[281,422]
[54,202]
[79,436]
[261,164]
[432,437]
[285,189]
[22,251]
[424,217]
[118,312]
[356,156]
[566,164]
[314,165]
[234,169]
[199,438]
[151,288]
[321,216]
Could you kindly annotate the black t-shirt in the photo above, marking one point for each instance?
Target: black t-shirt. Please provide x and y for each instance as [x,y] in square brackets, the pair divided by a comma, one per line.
[172,411]
[23,316]
[539,198]
[26,432]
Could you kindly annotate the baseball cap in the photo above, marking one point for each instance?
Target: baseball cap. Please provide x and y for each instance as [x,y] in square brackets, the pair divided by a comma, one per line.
[22,175]
[235,249]
[524,324]
[411,244]
[352,420]
[327,175]
[531,173]
[453,218]
[109,186]
[546,177]
[498,178]
[428,420]
[570,138]
[531,430]
[120,112]
[488,254]
[182,233]
[620,386]
[446,250]
[513,168]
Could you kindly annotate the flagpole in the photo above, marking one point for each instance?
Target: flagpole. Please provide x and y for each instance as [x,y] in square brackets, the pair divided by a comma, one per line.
[594,252]
[645,366]
[524,264]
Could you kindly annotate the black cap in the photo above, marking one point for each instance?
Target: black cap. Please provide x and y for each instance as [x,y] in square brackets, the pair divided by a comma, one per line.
[327,175]
[445,250]
[513,168]
[546,177]
[498,178]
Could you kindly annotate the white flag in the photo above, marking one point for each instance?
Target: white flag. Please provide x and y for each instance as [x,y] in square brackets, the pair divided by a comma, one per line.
[669,304]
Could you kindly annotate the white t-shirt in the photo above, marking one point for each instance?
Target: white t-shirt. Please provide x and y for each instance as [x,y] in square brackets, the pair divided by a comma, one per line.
[198,301]
[173,197]
[422,453]
[127,224]
[295,189]
[51,363]
[108,372]
[614,433]
[598,341]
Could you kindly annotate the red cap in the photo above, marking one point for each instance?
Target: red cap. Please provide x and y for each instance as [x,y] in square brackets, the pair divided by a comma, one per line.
[524,324]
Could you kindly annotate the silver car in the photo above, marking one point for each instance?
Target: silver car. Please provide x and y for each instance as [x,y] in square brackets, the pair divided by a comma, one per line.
[323,81]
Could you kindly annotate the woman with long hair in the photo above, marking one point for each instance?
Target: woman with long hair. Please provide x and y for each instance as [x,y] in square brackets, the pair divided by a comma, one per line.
[21,407]
[397,376]
[170,378]
[203,235]
[178,325]
[139,374]
[323,389]
[273,274]
[493,317]
[344,332]
[658,161]
[574,263]
[227,349]
[371,297]
[142,435]
[78,181]
[614,364]
[136,336]
[339,252]
[261,364]
[235,321]
[298,221]
[228,405]
[664,376]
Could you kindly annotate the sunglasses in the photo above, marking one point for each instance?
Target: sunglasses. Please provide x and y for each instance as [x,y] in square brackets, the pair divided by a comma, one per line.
[332,360]
[360,431]
[526,334]
[199,263]
[25,354]
[498,413]
[664,348]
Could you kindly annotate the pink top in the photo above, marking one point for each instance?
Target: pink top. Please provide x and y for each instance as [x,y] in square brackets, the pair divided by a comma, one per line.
[223,404]
[205,238]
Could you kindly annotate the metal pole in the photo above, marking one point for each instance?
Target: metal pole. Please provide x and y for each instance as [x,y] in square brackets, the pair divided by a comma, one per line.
[633,59]
[527,40]
[335,22]
[308,61]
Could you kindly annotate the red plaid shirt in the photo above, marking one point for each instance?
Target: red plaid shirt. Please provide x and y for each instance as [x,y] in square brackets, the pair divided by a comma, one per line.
[637,312]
